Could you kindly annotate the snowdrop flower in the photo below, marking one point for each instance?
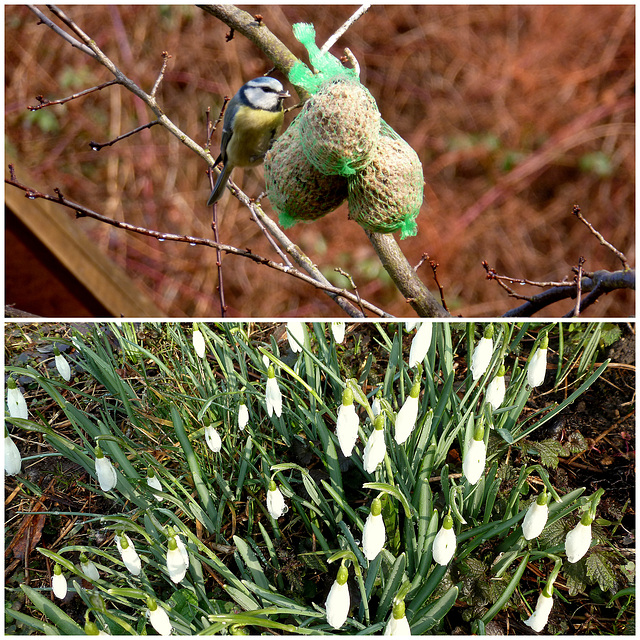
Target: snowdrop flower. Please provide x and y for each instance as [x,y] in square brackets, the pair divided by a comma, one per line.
[58,583]
[376,407]
[213,438]
[88,568]
[408,414]
[106,473]
[177,559]
[338,601]
[243,417]
[12,458]
[482,353]
[373,534]
[129,554]
[444,545]
[347,423]
[158,618]
[338,328]
[274,397]
[476,456]
[398,625]
[420,343]
[275,501]
[375,448]
[154,483]
[578,540]
[15,401]
[410,325]
[536,518]
[494,394]
[538,364]
[198,342]
[540,616]
[61,364]
[295,335]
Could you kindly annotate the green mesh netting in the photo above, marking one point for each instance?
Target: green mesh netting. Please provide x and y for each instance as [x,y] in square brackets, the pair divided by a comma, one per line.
[296,189]
[339,134]
[386,196]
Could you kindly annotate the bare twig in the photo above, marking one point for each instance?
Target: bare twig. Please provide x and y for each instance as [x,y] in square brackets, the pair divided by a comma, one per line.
[576,311]
[342,297]
[165,60]
[96,146]
[339,32]
[578,213]
[49,103]
[353,285]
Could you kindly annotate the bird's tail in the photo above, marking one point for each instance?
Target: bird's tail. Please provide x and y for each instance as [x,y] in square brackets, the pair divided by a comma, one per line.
[221,183]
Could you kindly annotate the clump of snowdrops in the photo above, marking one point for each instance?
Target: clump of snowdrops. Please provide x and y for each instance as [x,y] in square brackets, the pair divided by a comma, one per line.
[306,486]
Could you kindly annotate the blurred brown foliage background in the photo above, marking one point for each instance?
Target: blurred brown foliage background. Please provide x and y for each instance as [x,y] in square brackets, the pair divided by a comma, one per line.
[476,91]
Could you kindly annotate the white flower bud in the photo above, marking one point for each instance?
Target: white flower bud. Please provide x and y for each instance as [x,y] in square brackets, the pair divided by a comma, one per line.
[444,545]
[198,343]
[275,501]
[347,423]
[176,564]
[481,357]
[273,395]
[159,618]
[537,368]
[338,328]
[213,438]
[154,483]
[129,554]
[338,601]
[62,366]
[398,625]
[243,417]
[12,457]
[373,534]
[536,518]
[407,416]
[16,403]
[540,616]
[375,448]
[295,335]
[58,583]
[578,540]
[496,390]
[107,476]
[420,343]
[89,568]
[474,461]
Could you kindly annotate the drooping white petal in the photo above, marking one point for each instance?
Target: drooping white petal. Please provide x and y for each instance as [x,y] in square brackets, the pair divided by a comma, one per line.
[154,483]
[347,428]
[295,335]
[198,343]
[481,357]
[107,476]
[420,343]
[63,367]
[474,461]
[444,545]
[539,618]
[213,438]
[59,586]
[338,328]
[406,419]
[183,550]
[495,392]
[274,397]
[374,450]
[129,555]
[275,503]
[12,458]
[373,536]
[577,542]
[90,570]
[535,520]
[16,403]
[398,627]
[338,604]
[159,620]
[243,417]
[537,368]
[176,565]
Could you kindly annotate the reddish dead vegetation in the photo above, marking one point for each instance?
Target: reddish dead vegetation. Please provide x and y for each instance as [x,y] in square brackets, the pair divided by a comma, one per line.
[475,90]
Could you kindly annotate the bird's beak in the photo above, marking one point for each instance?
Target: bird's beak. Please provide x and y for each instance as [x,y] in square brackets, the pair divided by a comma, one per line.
[284,94]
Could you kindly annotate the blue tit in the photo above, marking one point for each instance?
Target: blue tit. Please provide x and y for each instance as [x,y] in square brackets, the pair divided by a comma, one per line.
[251,122]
